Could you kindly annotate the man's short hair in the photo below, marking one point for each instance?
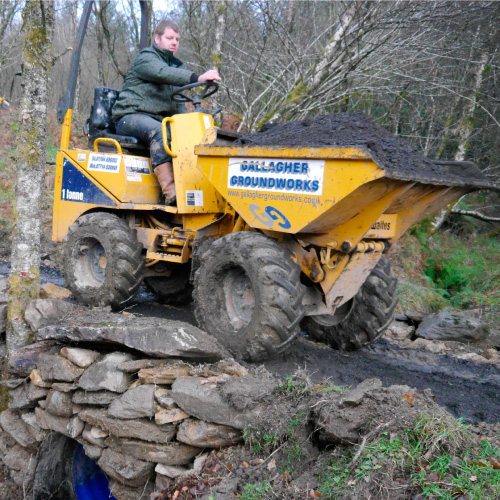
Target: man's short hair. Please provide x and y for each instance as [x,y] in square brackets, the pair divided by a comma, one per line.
[165,24]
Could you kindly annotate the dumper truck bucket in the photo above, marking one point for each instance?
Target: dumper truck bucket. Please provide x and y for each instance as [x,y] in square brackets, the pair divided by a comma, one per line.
[342,193]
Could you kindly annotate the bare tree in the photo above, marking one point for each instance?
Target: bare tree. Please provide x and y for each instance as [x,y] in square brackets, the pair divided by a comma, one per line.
[39,20]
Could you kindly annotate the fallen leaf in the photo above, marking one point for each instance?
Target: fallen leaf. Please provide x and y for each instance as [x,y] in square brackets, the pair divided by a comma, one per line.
[256,461]
[473,479]
[245,465]
[409,398]
[433,477]
[495,463]
[271,465]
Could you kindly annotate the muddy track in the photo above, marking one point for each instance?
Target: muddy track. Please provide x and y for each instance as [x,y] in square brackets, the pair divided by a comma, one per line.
[469,390]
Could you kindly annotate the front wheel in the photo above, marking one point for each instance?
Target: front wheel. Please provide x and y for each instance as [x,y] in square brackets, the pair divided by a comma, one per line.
[102,260]
[248,294]
[362,319]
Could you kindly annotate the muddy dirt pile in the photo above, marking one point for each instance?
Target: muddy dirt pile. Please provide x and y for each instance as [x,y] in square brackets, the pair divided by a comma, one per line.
[397,156]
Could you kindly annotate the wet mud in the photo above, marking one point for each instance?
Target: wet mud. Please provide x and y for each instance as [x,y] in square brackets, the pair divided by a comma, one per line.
[397,156]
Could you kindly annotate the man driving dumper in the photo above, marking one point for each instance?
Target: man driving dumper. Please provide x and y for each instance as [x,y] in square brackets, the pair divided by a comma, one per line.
[145,99]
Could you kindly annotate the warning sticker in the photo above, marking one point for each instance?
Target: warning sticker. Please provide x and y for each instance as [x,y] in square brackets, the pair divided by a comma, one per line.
[194,198]
[136,165]
[104,163]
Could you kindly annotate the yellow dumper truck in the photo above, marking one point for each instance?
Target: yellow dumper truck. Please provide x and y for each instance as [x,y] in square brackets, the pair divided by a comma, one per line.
[272,239]
[273,233]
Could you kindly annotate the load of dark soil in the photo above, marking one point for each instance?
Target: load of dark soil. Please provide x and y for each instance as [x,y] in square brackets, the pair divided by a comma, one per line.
[398,157]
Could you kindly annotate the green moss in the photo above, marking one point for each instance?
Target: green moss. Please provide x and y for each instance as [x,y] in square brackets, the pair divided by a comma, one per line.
[23,288]
[217,59]
[4,398]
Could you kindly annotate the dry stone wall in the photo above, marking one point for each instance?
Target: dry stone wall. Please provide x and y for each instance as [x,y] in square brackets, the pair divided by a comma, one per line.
[144,421]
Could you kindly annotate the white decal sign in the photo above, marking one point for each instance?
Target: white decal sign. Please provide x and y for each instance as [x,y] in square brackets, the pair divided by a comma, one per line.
[194,198]
[136,165]
[276,175]
[134,177]
[104,163]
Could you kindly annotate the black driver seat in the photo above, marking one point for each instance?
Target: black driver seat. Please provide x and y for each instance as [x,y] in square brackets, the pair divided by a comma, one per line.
[100,124]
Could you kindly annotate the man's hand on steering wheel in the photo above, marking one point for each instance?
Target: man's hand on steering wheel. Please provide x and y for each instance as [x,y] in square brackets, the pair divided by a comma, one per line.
[211,74]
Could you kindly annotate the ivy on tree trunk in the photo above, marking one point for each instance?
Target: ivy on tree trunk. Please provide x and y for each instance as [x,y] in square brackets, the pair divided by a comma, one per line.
[24,279]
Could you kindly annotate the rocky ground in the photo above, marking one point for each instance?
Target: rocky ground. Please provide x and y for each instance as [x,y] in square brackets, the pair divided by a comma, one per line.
[319,403]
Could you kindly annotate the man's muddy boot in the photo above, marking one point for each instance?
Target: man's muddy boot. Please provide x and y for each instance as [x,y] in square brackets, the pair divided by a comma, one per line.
[165,175]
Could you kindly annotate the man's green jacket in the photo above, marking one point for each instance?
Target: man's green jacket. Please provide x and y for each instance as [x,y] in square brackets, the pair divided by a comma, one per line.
[153,77]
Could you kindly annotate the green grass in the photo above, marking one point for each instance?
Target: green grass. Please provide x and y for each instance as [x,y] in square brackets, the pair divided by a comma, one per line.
[468,272]
[418,296]
[437,458]
[256,491]
[450,273]
[259,440]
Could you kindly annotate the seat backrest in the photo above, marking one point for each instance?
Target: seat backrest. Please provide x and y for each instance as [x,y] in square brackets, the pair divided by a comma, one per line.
[100,115]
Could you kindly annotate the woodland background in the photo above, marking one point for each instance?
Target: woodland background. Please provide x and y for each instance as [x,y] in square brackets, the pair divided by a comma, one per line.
[427,71]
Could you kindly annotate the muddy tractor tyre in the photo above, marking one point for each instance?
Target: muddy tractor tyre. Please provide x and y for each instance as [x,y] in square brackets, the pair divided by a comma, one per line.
[361,320]
[102,260]
[64,472]
[174,289]
[248,294]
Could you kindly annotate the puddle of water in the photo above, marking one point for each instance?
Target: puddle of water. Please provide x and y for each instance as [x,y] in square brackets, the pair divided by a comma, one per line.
[47,275]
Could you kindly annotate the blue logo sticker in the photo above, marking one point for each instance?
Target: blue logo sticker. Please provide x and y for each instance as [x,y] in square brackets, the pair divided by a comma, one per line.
[269,216]
[77,187]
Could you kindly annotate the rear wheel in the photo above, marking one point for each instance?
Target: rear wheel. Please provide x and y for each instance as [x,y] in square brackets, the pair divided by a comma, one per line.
[102,260]
[173,288]
[248,294]
[361,320]
[64,472]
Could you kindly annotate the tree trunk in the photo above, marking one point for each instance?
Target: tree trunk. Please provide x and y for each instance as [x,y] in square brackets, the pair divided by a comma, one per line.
[464,131]
[24,279]
[220,7]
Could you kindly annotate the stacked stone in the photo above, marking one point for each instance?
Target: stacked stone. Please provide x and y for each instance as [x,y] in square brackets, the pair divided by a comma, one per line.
[144,421]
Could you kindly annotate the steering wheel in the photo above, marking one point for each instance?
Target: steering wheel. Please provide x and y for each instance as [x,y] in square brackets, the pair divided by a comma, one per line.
[209,88]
